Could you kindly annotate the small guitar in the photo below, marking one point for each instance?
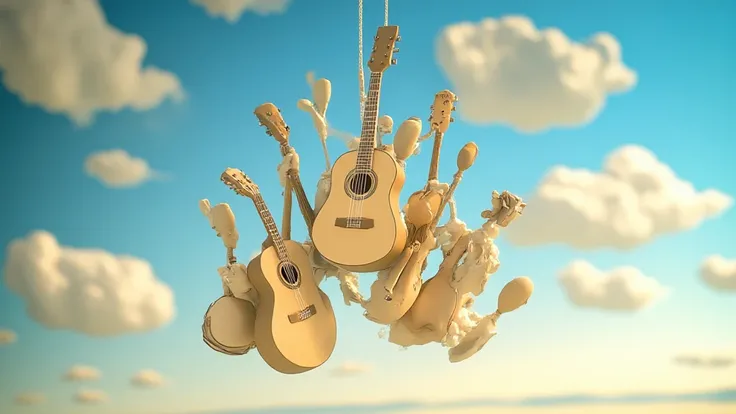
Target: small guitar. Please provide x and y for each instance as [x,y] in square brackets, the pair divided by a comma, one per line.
[359,227]
[295,326]
[439,120]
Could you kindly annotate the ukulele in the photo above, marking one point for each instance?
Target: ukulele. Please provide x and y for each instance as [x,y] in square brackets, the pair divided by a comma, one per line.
[439,120]
[359,228]
[295,327]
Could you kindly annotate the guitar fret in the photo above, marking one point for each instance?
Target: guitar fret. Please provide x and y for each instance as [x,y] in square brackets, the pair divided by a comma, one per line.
[270,225]
[368,131]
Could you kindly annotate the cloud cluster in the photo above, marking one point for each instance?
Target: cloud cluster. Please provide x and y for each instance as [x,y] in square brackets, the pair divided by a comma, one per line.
[147,379]
[90,397]
[634,199]
[118,169]
[90,291]
[348,369]
[231,10]
[719,272]
[620,289]
[65,57]
[706,361]
[7,337]
[82,373]
[508,71]
[29,398]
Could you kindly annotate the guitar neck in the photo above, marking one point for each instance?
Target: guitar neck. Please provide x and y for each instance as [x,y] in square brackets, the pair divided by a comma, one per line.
[450,191]
[370,123]
[301,196]
[434,165]
[270,226]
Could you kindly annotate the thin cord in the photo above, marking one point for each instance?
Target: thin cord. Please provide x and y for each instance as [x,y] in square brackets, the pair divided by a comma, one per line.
[385,12]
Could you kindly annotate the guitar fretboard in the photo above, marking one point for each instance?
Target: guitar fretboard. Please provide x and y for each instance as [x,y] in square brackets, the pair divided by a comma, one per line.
[370,124]
[271,227]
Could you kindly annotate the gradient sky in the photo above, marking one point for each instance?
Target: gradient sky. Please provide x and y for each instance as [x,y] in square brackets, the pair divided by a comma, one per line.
[679,109]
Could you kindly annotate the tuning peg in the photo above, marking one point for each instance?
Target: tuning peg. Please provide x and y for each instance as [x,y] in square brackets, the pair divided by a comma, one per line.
[453,108]
[260,123]
[393,61]
[452,119]
[396,50]
[398,38]
[269,133]
[288,128]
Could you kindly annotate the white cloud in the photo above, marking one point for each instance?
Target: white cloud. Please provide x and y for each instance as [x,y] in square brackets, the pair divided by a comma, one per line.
[634,199]
[118,169]
[82,373]
[711,360]
[719,272]
[510,72]
[29,398]
[65,57]
[7,337]
[90,397]
[90,291]
[147,379]
[350,369]
[623,289]
[231,10]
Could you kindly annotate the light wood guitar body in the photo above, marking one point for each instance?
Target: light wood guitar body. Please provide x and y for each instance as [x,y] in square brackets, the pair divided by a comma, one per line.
[295,328]
[438,302]
[359,226]
[288,344]
[365,235]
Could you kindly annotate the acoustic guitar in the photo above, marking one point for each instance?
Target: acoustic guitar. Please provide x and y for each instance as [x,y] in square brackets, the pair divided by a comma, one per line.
[295,329]
[359,228]
[439,120]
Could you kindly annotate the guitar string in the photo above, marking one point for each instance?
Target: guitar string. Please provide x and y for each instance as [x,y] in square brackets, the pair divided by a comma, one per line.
[291,272]
[362,94]
[280,248]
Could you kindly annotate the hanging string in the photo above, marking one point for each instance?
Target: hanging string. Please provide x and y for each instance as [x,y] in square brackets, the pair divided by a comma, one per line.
[361,75]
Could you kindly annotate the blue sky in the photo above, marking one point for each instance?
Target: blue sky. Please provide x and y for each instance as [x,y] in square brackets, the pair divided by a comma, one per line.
[679,109]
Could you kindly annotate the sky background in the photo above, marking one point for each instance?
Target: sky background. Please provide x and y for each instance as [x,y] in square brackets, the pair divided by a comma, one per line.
[680,109]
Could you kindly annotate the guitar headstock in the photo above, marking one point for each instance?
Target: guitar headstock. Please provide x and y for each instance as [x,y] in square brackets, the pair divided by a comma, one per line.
[270,116]
[441,117]
[239,182]
[383,48]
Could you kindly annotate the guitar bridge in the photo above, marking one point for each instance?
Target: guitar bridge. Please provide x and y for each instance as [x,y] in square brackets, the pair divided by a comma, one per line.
[362,223]
[303,314]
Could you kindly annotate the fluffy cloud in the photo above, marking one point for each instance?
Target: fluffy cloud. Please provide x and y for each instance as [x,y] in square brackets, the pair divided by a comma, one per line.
[118,169]
[82,373]
[90,397]
[621,289]
[706,361]
[30,398]
[347,369]
[7,337]
[147,379]
[510,72]
[86,290]
[231,10]
[66,58]
[719,272]
[634,199]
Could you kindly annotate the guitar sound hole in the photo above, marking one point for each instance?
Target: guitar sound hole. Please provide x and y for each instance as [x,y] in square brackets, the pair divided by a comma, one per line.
[289,274]
[361,183]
